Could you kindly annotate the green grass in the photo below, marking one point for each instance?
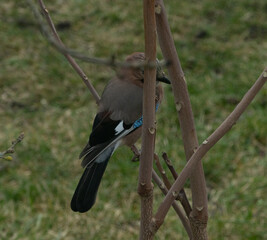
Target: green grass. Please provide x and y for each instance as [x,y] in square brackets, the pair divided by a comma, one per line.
[223,50]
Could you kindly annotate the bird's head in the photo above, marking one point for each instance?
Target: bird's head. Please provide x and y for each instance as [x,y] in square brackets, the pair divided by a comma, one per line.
[135,75]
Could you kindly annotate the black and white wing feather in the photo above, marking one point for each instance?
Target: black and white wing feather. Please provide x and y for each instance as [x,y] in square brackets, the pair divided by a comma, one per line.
[105,133]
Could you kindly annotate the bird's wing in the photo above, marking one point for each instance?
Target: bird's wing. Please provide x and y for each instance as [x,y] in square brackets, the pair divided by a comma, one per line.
[105,133]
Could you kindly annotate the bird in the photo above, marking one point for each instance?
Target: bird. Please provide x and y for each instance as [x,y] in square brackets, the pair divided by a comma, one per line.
[118,122]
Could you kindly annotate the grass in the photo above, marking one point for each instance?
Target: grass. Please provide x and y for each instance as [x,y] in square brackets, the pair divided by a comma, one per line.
[223,50]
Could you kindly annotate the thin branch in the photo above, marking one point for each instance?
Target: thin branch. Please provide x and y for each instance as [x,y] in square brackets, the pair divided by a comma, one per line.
[181,195]
[170,166]
[206,146]
[145,187]
[11,148]
[175,206]
[164,190]
[112,62]
[162,172]
[186,119]
[136,153]
[57,39]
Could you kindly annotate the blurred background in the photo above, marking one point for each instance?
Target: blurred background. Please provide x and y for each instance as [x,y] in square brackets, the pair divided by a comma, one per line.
[223,50]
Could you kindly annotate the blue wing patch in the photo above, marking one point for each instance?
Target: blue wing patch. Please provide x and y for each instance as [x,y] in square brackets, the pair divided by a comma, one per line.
[138,123]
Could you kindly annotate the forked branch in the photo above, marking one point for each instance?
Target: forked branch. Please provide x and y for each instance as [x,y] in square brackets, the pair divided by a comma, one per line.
[164,190]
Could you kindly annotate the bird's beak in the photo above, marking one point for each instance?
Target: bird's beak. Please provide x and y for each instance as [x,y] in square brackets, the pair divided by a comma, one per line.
[163,79]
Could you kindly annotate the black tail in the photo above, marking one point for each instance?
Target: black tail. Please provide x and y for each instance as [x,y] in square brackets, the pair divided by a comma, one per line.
[85,193]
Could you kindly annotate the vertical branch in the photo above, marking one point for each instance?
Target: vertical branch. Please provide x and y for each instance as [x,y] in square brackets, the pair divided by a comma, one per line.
[145,187]
[199,213]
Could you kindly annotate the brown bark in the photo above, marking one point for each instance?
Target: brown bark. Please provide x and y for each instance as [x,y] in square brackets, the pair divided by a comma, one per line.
[182,195]
[185,115]
[200,153]
[175,205]
[145,187]
[72,62]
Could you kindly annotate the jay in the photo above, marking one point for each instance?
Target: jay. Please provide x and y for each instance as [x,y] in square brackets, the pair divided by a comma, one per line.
[118,122]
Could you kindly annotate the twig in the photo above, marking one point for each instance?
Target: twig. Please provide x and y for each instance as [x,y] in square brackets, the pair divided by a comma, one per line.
[175,206]
[11,148]
[112,62]
[164,190]
[57,39]
[169,164]
[206,146]
[182,195]
[162,172]
[145,187]
[186,119]
[136,153]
